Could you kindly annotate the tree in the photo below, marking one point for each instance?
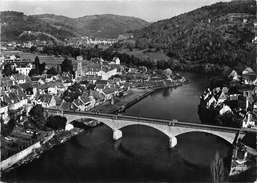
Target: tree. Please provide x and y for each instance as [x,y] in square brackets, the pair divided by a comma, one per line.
[7,128]
[56,122]
[33,49]
[37,64]
[52,71]
[37,116]
[73,92]
[32,72]
[217,169]
[41,68]
[66,66]
[8,70]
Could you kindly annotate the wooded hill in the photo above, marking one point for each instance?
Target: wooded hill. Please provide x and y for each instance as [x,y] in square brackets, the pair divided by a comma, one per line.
[101,26]
[13,24]
[215,35]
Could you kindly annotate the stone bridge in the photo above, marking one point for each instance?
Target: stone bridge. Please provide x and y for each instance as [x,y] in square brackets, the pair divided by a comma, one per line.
[170,128]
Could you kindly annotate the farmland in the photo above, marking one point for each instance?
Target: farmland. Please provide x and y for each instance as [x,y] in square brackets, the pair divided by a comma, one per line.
[144,55]
[51,61]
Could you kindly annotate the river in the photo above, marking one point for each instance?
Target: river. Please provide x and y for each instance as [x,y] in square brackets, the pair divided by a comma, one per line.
[141,155]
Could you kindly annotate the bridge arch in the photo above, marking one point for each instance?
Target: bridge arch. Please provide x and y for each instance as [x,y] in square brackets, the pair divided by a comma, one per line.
[114,125]
[171,130]
[229,139]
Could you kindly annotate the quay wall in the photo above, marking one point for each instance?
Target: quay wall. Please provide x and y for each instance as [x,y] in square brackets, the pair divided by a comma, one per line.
[132,102]
[7,163]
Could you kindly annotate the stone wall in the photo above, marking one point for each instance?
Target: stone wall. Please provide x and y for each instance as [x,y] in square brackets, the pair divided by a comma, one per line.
[7,163]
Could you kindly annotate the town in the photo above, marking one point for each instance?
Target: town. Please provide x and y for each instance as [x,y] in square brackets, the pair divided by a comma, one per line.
[234,104]
[28,87]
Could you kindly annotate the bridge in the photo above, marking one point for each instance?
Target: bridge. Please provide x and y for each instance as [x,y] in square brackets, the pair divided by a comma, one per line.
[171,128]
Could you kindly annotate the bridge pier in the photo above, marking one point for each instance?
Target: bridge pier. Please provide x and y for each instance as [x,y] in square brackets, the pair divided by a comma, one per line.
[172,142]
[116,144]
[117,134]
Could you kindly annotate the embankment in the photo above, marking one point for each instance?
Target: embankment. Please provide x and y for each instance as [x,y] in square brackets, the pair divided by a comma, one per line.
[7,163]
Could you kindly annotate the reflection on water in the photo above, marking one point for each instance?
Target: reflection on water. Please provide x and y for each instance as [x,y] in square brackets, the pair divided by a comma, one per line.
[141,155]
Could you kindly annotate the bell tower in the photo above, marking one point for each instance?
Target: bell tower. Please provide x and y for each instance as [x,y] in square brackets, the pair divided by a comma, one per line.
[79,71]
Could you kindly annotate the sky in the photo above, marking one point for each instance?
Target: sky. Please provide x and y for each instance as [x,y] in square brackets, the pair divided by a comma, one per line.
[149,10]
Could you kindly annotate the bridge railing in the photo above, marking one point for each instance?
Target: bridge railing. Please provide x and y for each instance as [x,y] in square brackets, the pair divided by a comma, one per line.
[154,121]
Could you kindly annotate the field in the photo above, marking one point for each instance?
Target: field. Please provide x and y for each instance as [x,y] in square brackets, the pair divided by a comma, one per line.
[154,56]
[51,61]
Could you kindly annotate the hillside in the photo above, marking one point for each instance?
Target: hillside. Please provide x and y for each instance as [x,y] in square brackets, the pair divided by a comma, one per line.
[213,35]
[13,24]
[53,27]
[102,26]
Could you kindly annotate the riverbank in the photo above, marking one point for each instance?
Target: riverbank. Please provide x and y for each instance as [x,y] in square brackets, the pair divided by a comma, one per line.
[59,137]
[121,103]
[131,97]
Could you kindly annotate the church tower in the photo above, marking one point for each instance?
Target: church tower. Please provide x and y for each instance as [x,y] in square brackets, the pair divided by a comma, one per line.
[79,71]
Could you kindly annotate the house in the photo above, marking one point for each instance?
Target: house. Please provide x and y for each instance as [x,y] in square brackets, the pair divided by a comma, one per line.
[248,121]
[46,100]
[20,78]
[104,71]
[6,82]
[60,87]
[16,100]
[29,89]
[222,98]
[52,88]
[65,105]
[4,111]
[87,103]
[23,68]
[91,78]
[58,101]
[109,93]
[97,96]
[224,109]
[115,60]
[78,104]
[49,77]
[117,80]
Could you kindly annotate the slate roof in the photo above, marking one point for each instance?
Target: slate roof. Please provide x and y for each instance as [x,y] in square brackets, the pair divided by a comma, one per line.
[65,105]
[78,102]
[96,95]
[26,86]
[91,78]
[100,86]
[45,98]
[59,84]
[101,82]
[51,85]
[58,100]
[107,91]
[7,99]
[84,99]
[14,98]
